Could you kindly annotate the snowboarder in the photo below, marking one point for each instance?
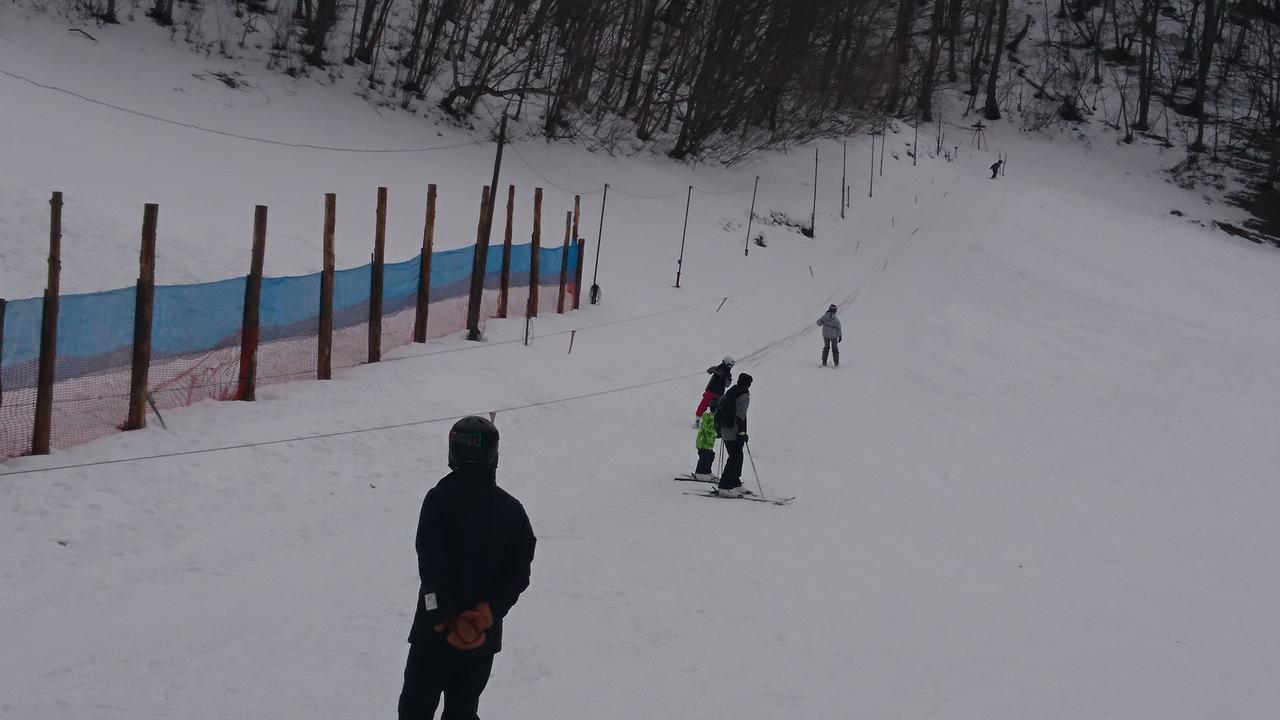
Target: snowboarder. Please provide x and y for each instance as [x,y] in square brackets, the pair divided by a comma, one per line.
[831,335]
[731,418]
[721,378]
[705,443]
[995,168]
[475,549]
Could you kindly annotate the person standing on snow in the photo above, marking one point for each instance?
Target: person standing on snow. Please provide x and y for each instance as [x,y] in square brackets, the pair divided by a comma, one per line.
[831,335]
[731,418]
[995,168]
[475,548]
[705,443]
[721,378]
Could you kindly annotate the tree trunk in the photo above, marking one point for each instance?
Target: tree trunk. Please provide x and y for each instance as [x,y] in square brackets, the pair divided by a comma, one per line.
[319,29]
[928,77]
[992,109]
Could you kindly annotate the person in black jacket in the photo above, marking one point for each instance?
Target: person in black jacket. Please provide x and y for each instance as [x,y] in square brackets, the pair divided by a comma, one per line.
[721,378]
[731,419]
[475,548]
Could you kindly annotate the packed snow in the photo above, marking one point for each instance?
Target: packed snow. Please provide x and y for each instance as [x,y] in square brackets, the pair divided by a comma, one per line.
[1040,484]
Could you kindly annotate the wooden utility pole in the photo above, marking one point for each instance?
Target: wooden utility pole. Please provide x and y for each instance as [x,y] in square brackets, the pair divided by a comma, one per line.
[43,429]
[504,287]
[577,240]
[535,255]
[252,297]
[423,310]
[324,355]
[375,278]
[144,302]
[482,241]
[564,262]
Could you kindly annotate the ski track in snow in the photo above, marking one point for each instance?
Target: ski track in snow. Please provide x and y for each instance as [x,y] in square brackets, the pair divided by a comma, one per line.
[1041,483]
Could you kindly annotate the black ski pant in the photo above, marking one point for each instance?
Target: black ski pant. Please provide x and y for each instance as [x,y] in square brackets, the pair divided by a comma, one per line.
[706,458]
[434,668]
[830,345]
[732,476]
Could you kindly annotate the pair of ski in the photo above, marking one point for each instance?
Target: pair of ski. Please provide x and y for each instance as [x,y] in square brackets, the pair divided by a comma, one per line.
[747,494]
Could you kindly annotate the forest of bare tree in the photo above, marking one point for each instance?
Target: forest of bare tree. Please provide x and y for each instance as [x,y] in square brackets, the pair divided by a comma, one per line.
[720,79]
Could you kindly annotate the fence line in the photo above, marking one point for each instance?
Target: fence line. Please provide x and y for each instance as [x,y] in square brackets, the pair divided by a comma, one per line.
[77,367]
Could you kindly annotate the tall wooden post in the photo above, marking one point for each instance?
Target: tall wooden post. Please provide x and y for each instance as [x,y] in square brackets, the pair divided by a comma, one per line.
[375,279]
[144,303]
[751,216]
[43,430]
[577,240]
[3,303]
[504,288]
[871,188]
[481,259]
[423,309]
[324,354]
[535,250]
[564,262]
[252,296]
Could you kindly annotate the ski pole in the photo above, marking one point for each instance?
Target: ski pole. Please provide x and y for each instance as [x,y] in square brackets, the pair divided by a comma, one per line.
[753,469]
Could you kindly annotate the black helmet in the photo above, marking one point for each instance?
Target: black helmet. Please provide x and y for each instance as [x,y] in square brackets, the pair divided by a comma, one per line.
[744,380]
[833,308]
[473,441]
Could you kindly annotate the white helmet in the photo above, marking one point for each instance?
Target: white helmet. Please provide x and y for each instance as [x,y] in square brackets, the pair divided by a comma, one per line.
[728,360]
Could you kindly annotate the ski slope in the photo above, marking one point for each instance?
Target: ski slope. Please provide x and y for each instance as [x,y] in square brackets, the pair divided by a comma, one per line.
[1041,483]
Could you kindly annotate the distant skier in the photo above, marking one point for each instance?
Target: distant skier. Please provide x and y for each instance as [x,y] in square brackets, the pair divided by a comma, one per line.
[995,168]
[831,335]
[721,378]
[731,418]
[705,443]
[475,549]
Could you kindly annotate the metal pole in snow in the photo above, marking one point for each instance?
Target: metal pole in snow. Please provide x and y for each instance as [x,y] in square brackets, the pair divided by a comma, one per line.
[844,159]
[813,216]
[595,287]
[746,246]
[680,263]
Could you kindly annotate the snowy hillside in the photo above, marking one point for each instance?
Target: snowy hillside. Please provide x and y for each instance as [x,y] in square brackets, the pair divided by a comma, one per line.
[1041,483]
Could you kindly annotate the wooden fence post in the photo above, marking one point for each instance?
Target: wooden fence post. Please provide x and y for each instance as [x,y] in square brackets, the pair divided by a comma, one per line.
[504,289]
[252,296]
[479,262]
[564,262]
[43,429]
[3,303]
[324,352]
[375,279]
[577,240]
[534,263]
[144,302]
[577,275]
[423,310]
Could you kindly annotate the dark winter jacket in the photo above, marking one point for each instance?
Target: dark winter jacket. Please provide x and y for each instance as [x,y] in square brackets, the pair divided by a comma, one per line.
[731,416]
[721,378]
[474,543]
[830,325]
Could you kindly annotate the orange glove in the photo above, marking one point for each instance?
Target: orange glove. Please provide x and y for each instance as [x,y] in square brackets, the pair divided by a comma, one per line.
[466,632]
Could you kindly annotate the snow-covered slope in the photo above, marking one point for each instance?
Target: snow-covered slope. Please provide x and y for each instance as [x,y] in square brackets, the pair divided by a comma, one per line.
[1040,484]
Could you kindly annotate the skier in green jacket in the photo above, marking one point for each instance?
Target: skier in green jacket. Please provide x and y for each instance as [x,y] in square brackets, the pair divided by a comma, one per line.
[706,442]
